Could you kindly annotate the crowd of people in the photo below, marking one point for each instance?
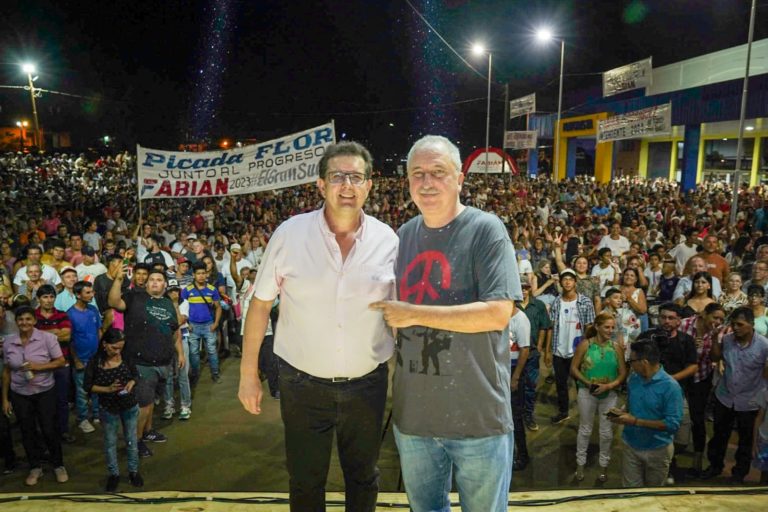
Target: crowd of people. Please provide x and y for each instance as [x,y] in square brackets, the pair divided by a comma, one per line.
[623,288]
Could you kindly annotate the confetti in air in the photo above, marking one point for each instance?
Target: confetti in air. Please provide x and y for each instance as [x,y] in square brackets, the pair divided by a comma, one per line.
[212,65]
[430,65]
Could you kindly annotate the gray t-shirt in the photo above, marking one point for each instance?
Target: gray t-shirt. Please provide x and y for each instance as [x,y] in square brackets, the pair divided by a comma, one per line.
[451,384]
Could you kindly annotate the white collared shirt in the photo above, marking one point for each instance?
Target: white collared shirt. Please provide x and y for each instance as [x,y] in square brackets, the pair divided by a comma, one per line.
[325,327]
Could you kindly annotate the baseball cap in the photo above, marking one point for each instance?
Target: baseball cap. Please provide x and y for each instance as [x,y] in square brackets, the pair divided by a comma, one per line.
[67,269]
[173,284]
[568,272]
[192,236]
[182,259]
[89,251]
[235,247]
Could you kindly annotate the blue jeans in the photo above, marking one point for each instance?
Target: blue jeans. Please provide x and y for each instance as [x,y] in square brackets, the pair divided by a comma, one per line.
[483,471]
[185,392]
[530,377]
[110,422]
[203,332]
[81,398]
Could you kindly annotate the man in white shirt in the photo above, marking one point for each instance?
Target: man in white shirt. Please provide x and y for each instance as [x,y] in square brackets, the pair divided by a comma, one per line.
[615,241]
[327,266]
[89,269]
[34,255]
[683,251]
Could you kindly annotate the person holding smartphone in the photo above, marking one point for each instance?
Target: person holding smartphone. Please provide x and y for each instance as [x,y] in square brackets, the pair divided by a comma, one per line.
[598,367]
[113,378]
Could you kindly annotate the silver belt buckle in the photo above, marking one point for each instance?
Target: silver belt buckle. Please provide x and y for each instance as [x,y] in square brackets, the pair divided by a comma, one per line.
[340,379]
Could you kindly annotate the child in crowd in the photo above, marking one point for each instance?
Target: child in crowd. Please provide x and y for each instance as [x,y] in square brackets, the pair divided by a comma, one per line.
[113,379]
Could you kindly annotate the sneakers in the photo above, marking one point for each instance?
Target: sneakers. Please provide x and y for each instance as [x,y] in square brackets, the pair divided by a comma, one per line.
[579,476]
[530,423]
[559,418]
[216,378]
[86,427]
[670,480]
[168,413]
[135,479]
[276,395]
[61,474]
[112,482]
[154,436]
[711,472]
[185,413]
[96,421]
[603,477]
[144,450]
[34,476]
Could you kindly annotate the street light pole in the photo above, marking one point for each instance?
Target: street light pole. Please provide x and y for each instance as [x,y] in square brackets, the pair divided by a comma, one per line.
[742,115]
[488,115]
[556,171]
[29,69]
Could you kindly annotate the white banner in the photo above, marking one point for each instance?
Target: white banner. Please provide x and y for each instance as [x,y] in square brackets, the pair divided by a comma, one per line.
[632,76]
[498,161]
[279,163]
[640,123]
[520,140]
[522,106]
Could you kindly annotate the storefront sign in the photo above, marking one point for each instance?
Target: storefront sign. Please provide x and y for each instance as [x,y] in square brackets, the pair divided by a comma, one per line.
[522,106]
[632,76]
[577,126]
[520,140]
[634,125]
[279,163]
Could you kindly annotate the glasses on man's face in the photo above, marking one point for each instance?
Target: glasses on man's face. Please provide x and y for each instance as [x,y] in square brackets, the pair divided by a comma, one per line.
[338,177]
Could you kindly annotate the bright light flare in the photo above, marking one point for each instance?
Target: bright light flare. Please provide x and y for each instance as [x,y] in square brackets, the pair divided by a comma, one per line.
[478,49]
[29,68]
[544,35]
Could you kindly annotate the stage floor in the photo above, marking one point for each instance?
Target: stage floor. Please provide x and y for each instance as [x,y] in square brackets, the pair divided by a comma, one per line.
[647,500]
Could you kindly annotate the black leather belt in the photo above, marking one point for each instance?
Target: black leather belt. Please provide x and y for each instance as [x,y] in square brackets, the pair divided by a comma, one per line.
[331,380]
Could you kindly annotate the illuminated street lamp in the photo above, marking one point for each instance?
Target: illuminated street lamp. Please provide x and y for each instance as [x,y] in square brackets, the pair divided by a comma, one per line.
[30,69]
[478,50]
[22,133]
[544,35]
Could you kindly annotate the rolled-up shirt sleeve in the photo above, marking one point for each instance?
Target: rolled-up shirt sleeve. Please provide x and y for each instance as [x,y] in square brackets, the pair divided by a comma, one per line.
[673,408]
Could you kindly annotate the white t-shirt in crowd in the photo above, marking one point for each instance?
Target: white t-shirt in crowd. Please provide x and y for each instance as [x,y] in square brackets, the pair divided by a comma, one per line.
[617,247]
[606,275]
[519,334]
[570,330]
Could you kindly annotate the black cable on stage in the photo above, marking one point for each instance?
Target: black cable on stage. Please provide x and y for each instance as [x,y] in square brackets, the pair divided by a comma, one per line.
[121,499]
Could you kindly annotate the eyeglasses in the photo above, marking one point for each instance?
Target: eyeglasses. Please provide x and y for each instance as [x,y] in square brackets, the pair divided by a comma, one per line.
[337,178]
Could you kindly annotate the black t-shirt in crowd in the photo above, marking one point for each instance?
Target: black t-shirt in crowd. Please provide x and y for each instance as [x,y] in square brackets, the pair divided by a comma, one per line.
[676,354]
[150,324]
[98,376]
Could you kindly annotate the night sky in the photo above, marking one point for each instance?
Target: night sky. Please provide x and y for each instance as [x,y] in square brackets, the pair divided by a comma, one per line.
[162,73]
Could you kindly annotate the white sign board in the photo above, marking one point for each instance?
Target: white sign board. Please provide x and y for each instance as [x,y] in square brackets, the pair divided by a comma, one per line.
[640,123]
[632,76]
[279,163]
[497,160]
[520,140]
[522,106]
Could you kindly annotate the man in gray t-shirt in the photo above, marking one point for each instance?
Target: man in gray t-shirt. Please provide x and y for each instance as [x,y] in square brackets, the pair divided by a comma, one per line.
[457,278]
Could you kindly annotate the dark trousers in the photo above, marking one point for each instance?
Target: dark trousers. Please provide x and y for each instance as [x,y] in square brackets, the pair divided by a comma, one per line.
[6,442]
[63,378]
[562,367]
[268,363]
[530,377]
[38,410]
[312,411]
[698,396]
[518,412]
[745,422]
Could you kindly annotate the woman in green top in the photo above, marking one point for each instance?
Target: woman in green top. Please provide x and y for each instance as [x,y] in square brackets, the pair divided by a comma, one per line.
[598,367]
